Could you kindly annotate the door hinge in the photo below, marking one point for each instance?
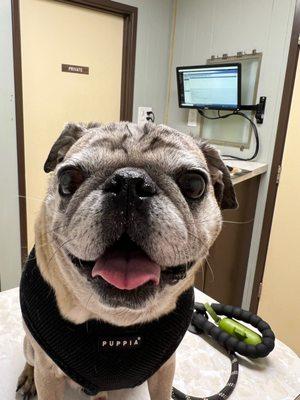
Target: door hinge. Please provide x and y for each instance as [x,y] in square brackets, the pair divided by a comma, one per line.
[279,168]
[259,290]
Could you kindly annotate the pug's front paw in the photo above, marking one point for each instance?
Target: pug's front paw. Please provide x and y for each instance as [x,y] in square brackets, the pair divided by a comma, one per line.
[26,386]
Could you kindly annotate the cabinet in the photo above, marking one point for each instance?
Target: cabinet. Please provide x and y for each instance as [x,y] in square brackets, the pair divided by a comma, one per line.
[223,275]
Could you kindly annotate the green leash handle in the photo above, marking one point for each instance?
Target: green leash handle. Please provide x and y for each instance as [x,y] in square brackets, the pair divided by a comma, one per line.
[233,336]
[234,328]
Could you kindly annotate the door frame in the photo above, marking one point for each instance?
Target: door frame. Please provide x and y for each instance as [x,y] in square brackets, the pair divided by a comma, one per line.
[130,15]
[277,157]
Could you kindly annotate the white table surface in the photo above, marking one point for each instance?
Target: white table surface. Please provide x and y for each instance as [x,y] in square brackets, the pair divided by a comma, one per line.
[253,169]
[201,369]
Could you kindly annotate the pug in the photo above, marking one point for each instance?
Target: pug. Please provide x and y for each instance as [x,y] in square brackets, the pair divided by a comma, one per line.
[129,217]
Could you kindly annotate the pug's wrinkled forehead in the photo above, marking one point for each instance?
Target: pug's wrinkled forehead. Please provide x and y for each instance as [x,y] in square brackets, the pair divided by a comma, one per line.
[155,148]
[149,147]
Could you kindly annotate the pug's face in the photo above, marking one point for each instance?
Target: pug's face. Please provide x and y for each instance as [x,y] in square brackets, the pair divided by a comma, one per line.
[130,206]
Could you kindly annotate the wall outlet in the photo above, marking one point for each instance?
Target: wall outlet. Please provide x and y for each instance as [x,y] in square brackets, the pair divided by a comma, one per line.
[142,114]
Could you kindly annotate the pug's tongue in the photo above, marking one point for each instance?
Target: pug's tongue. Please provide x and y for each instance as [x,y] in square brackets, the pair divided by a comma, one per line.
[127,270]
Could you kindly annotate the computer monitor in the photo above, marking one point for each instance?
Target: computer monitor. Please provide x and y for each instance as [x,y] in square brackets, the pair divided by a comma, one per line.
[215,87]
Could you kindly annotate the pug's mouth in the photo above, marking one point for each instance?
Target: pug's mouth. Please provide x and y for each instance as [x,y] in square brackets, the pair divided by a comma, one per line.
[126,276]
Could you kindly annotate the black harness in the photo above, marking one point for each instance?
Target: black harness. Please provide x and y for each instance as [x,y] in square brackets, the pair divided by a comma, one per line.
[97,355]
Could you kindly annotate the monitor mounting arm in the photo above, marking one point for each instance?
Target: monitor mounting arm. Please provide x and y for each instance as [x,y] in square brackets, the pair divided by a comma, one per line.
[258,108]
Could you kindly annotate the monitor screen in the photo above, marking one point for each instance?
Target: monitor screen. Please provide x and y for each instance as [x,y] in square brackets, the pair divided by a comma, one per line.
[210,86]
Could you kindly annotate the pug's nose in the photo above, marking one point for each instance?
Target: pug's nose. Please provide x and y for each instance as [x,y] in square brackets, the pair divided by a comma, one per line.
[133,183]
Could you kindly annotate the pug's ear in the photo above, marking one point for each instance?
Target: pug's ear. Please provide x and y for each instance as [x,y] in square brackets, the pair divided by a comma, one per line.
[71,133]
[220,177]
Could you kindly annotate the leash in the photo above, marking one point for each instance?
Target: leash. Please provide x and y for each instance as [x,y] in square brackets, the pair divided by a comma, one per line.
[233,336]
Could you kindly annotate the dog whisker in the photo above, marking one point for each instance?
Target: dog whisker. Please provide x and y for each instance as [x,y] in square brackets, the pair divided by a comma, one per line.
[210,269]
[41,200]
[59,248]
[43,244]
[32,198]
[92,294]
[239,222]
[45,233]
[226,221]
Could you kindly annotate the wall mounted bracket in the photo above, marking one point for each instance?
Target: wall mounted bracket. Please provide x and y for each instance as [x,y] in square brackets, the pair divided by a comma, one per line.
[258,108]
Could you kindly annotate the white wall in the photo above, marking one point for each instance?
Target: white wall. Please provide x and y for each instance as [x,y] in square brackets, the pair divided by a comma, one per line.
[10,260]
[152,54]
[213,27]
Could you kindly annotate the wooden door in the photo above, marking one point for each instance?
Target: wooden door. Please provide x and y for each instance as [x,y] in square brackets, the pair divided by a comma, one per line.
[280,299]
[52,34]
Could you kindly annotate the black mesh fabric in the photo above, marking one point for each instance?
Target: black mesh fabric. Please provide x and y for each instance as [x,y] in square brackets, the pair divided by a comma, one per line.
[78,349]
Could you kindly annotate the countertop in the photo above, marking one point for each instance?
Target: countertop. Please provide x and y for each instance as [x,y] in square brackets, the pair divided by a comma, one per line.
[202,369]
[250,169]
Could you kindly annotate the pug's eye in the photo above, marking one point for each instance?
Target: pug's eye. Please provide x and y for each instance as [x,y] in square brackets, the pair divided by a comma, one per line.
[69,181]
[192,184]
